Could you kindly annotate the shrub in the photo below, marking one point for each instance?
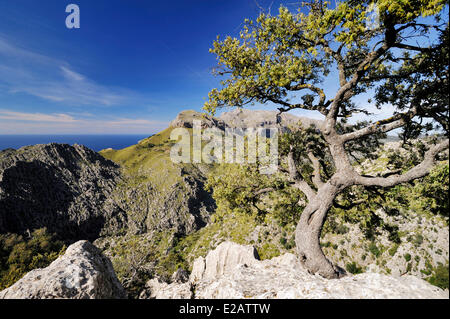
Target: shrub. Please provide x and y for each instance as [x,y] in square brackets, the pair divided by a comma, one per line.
[341,229]
[353,268]
[374,249]
[393,250]
[440,277]
[19,255]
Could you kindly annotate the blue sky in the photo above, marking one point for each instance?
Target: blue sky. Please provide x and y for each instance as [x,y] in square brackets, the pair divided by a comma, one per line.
[130,69]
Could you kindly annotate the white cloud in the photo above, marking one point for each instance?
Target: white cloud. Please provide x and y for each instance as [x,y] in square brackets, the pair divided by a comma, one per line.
[71,75]
[25,71]
[12,122]
[35,117]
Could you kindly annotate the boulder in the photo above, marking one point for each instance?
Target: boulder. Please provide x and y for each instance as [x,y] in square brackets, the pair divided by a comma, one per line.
[83,272]
[222,260]
[180,276]
[155,289]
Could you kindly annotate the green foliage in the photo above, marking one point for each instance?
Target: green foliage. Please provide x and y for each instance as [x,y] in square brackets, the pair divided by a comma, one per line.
[353,268]
[287,58]
[288,244]
[268,251]
[416,239]
[138,258]
[434,190]
[393,250]
[373,248]
[19,255]
[277,56]
[241,189]
[428,195]
[440,276]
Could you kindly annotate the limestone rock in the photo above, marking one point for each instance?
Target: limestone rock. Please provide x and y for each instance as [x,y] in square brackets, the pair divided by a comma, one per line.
[244,118]
[154,289]
[232,272]
[180,276]
[186,118]
[81,273]
[285,278]
[198,269]
[223,260]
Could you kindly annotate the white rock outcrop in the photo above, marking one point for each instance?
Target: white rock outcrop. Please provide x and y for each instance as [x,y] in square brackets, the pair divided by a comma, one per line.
[154,289]
[222,260]
[83,272]
[232,271]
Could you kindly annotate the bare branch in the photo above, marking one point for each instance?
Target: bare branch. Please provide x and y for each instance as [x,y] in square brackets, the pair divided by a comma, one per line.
[296,179]
[316,174]
[418,171]
[382,126]
[339,60]
[345,92]
[264,190]
[311,87]
[411,47]
[306,189]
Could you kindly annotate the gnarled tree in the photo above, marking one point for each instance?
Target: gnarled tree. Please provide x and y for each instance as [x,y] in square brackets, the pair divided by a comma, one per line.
[395,51]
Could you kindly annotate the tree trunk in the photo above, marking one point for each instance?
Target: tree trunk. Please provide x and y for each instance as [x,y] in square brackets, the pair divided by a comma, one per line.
[307,233]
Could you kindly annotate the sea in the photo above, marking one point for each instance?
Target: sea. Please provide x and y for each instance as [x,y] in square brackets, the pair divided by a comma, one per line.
[94,142]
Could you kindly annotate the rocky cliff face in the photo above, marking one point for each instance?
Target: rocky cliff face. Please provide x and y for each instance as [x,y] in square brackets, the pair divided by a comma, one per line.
[244,118]
[186,118]
[232,271]
[181,205]
[64,188]
[81,273]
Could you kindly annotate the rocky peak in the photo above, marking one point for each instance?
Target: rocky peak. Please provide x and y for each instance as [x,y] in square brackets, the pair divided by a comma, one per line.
[244,118]
[81,273]
[186,118]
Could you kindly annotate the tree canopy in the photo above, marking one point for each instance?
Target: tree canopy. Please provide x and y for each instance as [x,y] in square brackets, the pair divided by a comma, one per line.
[285,59]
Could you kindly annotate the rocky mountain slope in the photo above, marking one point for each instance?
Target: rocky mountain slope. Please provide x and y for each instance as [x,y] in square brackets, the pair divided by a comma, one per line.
[234,271]
[66,189]
[158,194]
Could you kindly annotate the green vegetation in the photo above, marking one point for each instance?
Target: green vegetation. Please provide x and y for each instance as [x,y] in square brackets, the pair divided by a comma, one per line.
[353,268]
[19,255]
[373,248]
[440,276]
[393,250]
